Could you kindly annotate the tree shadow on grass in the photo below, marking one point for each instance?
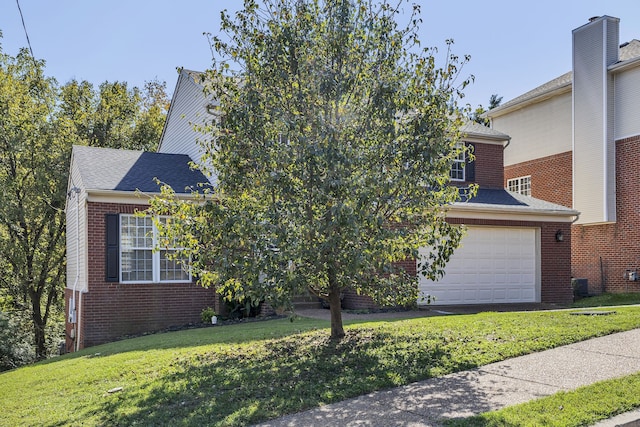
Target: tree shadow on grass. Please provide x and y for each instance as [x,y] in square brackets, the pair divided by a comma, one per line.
[278,377]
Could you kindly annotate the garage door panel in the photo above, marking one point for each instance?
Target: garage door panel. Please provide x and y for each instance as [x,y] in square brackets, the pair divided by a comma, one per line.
[493,264]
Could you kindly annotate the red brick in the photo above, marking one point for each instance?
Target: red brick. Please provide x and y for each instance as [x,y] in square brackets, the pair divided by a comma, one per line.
[599,253]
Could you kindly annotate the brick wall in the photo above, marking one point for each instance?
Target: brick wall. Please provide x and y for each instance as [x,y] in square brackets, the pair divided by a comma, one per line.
[551,177]
[555,274]
[113,310]
[490,166]
[602,253]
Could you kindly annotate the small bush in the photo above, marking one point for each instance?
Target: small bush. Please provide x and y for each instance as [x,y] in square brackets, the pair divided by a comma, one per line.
[15,347]
[207,314]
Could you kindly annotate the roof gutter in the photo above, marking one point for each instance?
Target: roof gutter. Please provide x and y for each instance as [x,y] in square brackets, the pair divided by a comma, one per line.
[508,108]
[94,195]
[624,65]
[467,210]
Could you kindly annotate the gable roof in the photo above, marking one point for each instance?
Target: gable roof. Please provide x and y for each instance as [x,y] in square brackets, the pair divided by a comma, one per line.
[476,130]
[128,170]
[628,52]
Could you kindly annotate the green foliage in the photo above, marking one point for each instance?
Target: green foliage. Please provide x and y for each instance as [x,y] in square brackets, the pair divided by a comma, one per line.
[34,162]
[39,123]
[476,115]
[334,138]
[15,347]
[207,314]
[208,376]
[115,116]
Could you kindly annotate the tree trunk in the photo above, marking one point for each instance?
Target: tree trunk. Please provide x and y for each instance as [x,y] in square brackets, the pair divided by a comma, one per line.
[39,324]
[335,305]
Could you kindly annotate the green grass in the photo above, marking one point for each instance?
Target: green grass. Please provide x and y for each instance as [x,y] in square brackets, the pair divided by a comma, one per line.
[584,406]
[605,300]
[247,373]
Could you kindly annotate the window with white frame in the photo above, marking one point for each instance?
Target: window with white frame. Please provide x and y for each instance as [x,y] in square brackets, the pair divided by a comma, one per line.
[138,260]
[520,185]
[457,168]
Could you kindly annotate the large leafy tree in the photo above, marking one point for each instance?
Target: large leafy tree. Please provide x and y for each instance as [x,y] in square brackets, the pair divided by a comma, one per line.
[333,141]
[33,165]
[39,123]
[115,115]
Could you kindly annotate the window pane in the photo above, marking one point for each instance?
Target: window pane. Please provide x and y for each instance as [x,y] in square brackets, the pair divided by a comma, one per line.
[171,269]
[137,265]
[520,185]
[457,168]
[457,171]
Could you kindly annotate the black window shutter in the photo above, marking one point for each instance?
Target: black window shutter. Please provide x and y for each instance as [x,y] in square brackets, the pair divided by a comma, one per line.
[470,167]
[113,246]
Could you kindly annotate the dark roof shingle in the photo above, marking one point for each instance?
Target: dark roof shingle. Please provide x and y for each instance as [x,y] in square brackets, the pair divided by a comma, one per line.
[127,170]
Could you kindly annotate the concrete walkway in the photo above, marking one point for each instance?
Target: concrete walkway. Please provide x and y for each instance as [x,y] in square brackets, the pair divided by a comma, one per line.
[489,388]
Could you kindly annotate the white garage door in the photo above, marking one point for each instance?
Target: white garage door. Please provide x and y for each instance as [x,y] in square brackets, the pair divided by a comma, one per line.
[493,265]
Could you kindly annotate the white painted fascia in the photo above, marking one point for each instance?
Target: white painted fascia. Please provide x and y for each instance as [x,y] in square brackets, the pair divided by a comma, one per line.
[624,65]
[466,211]
[131,197]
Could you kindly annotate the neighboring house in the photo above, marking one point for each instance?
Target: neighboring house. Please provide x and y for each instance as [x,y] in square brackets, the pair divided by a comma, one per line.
[116,284]
[517,248]
[510,253]
[575,141]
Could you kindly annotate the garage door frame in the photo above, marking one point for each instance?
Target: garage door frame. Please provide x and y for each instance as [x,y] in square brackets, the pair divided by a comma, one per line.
[537,272]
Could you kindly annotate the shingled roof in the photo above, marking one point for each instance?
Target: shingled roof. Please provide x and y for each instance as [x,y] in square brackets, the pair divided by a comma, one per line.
[628,52]
[128,170]
[474,129]
[498,199]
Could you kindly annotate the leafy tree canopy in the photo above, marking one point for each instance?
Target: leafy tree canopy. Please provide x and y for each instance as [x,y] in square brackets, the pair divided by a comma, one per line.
[477,114]
[334,138]
[39,123]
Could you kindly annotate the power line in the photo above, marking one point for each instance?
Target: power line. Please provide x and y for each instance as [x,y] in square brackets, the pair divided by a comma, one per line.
[33,57]
[25,31]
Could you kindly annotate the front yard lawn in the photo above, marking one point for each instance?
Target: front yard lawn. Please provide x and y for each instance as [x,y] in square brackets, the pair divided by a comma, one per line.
[606,300]
[247,373]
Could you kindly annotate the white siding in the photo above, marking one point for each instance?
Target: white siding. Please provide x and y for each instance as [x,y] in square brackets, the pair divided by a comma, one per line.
[76,232]
[188,109]
[627,103]
[594,48]
[539,130]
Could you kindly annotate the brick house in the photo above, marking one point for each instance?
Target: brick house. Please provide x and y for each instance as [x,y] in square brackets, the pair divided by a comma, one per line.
[116,284]
[575,141]
[517,248]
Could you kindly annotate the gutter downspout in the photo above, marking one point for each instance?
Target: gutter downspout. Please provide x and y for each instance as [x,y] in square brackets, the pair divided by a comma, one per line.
[74,317]
[82,291]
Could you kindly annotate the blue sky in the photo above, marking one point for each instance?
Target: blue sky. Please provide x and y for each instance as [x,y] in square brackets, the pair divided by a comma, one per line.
[514,45]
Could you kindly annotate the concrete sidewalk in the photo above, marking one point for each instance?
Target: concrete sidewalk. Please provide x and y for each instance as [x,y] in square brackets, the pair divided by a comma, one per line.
[489,388]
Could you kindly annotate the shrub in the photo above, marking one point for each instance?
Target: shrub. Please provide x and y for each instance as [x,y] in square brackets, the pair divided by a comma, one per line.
[15,347]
